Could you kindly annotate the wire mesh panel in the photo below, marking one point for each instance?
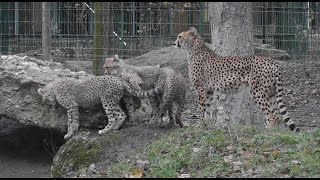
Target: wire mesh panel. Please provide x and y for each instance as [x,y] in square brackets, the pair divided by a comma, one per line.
[133,28]
[129,28]
[289,26]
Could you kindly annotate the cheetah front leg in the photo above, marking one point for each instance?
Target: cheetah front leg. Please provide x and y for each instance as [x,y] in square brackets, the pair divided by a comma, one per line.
[210,111]
[73,121]
[201,102]
[129,103]
[114,113]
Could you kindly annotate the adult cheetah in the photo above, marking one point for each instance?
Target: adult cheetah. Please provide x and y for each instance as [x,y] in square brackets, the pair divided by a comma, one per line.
[209,72]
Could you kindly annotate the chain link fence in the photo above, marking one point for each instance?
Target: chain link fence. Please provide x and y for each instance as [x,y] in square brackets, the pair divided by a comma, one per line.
[134,28]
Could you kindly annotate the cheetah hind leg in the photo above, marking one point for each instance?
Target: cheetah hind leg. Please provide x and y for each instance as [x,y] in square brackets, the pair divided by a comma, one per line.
[272,118]
[178,112]
[73,121]
[171,118]
[157,118]
[155,103]
[114,114]
[210,113]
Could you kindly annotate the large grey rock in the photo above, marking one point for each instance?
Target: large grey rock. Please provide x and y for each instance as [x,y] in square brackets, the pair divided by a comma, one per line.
[267,50]
[20,77]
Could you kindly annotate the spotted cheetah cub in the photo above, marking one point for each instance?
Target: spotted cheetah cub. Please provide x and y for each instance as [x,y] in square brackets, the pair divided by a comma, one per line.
[209,72]
[72,93]
[148,74]
[170,88]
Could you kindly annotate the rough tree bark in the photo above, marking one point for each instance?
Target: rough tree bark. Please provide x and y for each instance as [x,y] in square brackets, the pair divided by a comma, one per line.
[108,27]
[98,38]
[231,33]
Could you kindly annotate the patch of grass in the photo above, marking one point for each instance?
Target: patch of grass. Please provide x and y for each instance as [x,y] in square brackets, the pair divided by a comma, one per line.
[253,152]
[215,167]
[119,170]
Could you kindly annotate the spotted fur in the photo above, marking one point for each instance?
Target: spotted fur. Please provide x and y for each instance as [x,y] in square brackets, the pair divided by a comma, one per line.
[171,90]
[148,75]
[72,93]
[209,73]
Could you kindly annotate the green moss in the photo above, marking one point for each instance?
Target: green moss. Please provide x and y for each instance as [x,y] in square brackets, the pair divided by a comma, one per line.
[74,155]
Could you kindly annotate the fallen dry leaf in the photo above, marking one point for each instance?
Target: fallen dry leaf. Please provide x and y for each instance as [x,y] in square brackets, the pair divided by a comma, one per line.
[266,154]
[184,176]
[237,165]
[230,148]
[296,162]
[228,158]
[137,173]
[275,153]
[246,155]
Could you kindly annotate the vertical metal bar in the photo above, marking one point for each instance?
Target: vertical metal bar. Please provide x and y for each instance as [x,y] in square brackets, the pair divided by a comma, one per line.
[133,33]
[4,28]
[90,14]
[46,37]
[170,19]
[133,6]
[122,26]
[1,27]
[201,24]
[54,17]
[190,13]
[264,23]
[16,18]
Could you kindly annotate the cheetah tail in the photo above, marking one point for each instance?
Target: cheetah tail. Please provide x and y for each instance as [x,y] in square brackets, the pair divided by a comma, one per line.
[282,107]
[141,94]
[149,93]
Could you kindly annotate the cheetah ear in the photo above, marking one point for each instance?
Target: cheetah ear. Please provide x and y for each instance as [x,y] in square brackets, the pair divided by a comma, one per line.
[40,91]
[135,84]
[193,31]
[139,80]
[116,58]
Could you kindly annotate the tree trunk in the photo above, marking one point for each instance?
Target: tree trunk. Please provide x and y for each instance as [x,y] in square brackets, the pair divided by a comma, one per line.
[231,28]
[46,35]
[98,38]
[108,27]
[231,33]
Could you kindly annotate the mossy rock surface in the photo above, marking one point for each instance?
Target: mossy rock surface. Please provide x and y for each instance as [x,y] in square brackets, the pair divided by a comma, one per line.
[75,156]
[88,154]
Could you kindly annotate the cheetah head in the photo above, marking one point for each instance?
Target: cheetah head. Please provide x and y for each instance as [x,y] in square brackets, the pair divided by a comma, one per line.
[133,79]
[47,95]
[111,65]
[186,39]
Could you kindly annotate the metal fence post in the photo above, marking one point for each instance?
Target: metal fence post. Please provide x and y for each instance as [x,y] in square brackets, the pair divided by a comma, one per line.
[4,27]
[46,35]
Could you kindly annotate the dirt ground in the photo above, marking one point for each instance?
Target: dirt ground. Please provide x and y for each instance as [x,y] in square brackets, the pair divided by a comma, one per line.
[302,84]
[29,165]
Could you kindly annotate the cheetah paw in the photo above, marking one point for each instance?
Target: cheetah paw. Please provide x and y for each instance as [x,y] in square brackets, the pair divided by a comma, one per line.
[67,136]
[103,131]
